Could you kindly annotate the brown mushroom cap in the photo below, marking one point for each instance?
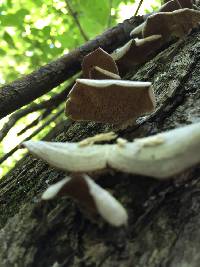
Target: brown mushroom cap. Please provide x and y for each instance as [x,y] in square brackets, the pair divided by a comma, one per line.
[94,199]
[109,101]
[176,4]
[167,7]
[99,58]
[136,52]
[170,6]
[186,3]
[177,23]
[78,189]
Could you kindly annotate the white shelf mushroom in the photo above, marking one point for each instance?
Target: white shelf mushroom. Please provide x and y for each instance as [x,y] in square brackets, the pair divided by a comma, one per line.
[160,156]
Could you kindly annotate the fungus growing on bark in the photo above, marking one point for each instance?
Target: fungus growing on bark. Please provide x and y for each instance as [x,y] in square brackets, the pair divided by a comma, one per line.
[109,101]
[91,196]
[176,4]
[167,7]
[101,59]
[160,156]
[170,6]
[101,74]
[136,52]
[178,23]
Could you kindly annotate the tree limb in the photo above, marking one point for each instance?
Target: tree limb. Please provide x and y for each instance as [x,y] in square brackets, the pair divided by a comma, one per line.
[35,121]
[26,89]
[46,123]
[48,104]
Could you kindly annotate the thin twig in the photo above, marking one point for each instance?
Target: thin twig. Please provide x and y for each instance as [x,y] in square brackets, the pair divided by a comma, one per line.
[51,119]
[110,15]
[35,122]
[48,104]
[139,5]
[75,17]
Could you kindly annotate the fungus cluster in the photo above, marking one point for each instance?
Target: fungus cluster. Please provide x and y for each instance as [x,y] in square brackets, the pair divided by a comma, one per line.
[160,156]
[102,96]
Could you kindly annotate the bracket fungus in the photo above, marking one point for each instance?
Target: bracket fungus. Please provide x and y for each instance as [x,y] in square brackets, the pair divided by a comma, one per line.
[177,23]
[176,4]
[95,100]
[160,156]
[101,59]
[136,52]
[104,97]
[91,196]
[167,7]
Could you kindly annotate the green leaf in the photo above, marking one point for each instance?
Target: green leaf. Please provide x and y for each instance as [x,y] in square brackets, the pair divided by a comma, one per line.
[14,19]
[2,52]
[97,12]
[9,39]
[65,40]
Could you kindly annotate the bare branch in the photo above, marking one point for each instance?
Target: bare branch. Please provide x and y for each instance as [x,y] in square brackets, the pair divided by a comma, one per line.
[35,122]
[26,89]
[47,122]
[48,104]
[75,17]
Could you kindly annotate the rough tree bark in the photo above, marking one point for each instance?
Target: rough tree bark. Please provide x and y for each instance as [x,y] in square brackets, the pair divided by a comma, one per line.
[164,217]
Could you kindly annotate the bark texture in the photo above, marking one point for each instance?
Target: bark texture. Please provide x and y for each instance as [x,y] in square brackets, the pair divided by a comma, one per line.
[164,217]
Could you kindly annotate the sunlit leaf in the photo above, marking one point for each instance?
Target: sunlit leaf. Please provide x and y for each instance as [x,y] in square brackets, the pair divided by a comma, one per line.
[8,39]
[14,19]
[2,52]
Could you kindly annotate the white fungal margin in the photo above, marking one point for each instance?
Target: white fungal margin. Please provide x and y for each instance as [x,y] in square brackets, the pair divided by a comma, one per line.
[108,207]
[138,30]
[151,38]
[160,156]
[120,52]
[105,83]
[108,73]
[54,189]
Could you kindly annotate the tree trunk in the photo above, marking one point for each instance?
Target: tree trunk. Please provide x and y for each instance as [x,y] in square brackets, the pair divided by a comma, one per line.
[164,217]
